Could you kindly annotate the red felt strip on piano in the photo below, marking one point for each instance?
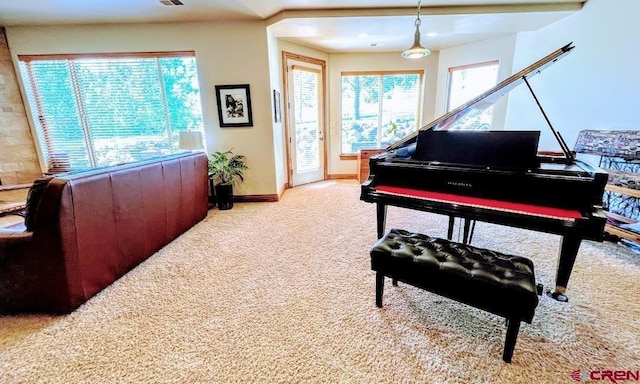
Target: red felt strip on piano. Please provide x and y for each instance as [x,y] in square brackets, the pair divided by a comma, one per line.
[565,214]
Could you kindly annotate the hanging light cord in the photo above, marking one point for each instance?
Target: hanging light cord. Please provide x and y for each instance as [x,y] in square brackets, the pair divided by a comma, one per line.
[418,22]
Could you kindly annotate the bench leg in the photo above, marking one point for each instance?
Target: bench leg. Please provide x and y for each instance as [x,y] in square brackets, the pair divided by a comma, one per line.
[394,281]
[513,326]
[379,288]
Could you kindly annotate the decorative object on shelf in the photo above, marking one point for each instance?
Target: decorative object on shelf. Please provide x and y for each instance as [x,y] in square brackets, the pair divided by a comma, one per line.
[226,168]
[416,51]
[234,105]
[190,141]
[277,115]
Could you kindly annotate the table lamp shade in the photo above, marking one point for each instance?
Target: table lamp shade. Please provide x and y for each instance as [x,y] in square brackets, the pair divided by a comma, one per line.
[190,140]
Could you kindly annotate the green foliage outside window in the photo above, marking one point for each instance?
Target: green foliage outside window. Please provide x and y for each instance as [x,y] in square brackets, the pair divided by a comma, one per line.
[379,109]
[111,110]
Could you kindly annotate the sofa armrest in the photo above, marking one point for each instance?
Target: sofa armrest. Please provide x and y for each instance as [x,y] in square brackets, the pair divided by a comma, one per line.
[12,237]
[8,235]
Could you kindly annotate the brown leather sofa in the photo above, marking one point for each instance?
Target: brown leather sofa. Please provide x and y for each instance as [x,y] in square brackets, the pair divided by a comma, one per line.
[83,231]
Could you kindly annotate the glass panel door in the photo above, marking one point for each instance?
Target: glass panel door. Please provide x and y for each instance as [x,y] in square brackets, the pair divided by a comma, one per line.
[306,122]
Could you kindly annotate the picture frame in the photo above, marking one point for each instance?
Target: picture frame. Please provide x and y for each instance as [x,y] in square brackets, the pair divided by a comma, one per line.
[234,105]
[277,115]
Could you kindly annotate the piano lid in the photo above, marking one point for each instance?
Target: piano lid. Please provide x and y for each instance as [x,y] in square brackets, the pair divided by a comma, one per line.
[486,99]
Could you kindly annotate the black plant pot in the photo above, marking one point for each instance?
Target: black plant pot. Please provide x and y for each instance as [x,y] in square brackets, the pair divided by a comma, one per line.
[224,196]
[212,193]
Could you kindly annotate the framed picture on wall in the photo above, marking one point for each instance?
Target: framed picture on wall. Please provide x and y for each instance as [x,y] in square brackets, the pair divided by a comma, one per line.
[234,105]
[277,115]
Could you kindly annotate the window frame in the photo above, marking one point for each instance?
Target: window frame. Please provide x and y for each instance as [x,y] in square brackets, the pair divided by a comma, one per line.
[453,69]
[39,124]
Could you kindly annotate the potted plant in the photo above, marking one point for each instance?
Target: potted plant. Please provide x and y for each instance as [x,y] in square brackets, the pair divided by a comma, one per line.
[226,168]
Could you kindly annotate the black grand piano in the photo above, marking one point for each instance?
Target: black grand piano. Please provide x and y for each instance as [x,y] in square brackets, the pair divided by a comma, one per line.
[493,176]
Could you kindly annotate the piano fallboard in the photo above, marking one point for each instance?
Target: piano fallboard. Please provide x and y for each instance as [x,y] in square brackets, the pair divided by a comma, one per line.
[576,186]
[588,225]
[478,202]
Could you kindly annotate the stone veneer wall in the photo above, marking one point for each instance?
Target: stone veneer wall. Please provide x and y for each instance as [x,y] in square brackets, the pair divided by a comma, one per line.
[18,159]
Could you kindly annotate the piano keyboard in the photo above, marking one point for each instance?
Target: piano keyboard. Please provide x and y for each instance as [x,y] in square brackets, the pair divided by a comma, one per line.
[477,202]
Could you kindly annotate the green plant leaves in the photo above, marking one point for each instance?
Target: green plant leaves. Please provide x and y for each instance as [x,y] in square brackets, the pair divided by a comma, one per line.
[227,167]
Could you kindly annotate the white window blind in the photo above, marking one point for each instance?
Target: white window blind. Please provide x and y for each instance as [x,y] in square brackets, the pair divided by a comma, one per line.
[379,109]
[467,82]
[306,88]
[93,111]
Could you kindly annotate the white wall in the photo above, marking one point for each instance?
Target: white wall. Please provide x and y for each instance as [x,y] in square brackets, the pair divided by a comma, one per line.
[500,49]
[596,86]
[337,63]
[275,78]
[226,53]
[342,62]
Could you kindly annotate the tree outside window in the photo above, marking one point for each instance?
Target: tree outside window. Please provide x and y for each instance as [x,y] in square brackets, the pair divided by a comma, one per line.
[379,109]
[93,111]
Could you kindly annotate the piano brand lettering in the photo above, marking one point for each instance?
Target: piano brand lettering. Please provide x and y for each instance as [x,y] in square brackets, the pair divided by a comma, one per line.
[615,377]
[463,184]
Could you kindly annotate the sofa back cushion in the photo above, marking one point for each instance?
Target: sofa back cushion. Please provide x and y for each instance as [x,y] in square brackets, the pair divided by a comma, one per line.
[120,216]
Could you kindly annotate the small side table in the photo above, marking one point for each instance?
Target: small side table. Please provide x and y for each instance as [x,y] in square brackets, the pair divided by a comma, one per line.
[12,199]
[12,187]
[362,173]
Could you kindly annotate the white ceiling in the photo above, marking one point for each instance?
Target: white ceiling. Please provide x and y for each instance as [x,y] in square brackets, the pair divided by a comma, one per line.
[329,25]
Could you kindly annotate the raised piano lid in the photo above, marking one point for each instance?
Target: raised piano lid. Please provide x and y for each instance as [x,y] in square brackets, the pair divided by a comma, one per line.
[486,99]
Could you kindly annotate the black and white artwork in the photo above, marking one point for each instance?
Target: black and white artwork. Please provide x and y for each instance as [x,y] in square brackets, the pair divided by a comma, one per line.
[234,105]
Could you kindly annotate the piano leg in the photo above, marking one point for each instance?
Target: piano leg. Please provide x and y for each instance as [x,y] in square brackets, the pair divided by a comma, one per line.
[452,221]
[469,226]
[473,228]
[569,246]
[465,233]
[381,210]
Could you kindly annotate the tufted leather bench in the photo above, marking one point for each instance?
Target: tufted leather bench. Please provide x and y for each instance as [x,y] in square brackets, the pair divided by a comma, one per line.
[501,284]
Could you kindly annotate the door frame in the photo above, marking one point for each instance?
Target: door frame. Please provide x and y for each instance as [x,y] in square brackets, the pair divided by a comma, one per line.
[286,56]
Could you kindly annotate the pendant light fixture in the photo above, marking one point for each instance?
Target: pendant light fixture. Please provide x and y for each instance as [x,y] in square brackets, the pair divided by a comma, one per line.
[416,51]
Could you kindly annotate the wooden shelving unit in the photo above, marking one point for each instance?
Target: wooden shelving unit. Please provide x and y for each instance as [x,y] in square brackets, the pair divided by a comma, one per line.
[617,231]
[622,233]
[623,191]
[363,162]
[13,198]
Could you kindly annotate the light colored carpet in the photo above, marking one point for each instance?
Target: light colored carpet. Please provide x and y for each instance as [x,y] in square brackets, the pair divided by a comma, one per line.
[283,293]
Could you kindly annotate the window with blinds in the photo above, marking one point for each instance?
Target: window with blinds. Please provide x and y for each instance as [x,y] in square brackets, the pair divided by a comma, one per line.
[467,82]
[93,110]
[306,100]
[379,109]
